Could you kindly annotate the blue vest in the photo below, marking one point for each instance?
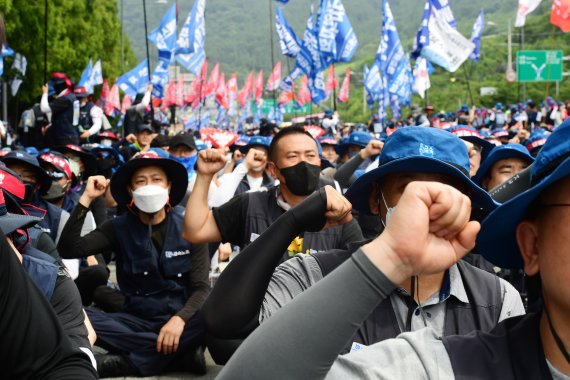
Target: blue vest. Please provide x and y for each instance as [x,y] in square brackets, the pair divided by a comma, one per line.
[155,283]
[50,214]
[85,119]
[512,350]
[64,123]
[42,270]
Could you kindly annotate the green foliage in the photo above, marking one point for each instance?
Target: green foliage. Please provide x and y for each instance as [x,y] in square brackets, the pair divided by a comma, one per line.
[77,30]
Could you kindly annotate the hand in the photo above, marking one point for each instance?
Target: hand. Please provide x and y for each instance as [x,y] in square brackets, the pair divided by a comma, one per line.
[255,160]
[429,232]
[210,161]
[373,148]
[45,89]
[92,261]
[84,135]
[237,156]
[224,251]
[149,87]
[96,186]
[131,138]
[169,336]
[338,208]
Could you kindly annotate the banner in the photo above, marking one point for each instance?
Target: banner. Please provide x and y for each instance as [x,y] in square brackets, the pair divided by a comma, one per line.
[372,84]
[303,94]
[160,74]
[560,15]
[274,80]
[288,41]
[192,62]
[525,7]
[164,37]
[245,92]
[258,86]
[476,36]
[20,64]
[336,39]
[193,33]
[221,92]
[213,82]
[421,75]
[134,81]
[331,83]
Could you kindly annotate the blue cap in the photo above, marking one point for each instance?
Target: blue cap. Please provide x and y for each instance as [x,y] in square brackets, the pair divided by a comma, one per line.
[328,112]
[535,142]
[497,239]
[464,108]
[501,152]
[258,141]
[359,138]
[499,106]
[32,151]
[422,150]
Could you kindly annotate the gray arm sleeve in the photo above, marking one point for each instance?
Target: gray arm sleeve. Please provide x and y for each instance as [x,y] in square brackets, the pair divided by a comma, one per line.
[289,280]
[303,339]
[345,173]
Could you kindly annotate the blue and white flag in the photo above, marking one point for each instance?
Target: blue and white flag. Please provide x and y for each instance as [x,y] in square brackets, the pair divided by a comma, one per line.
[372,84]
[222,120]
[91,77]
[20,64]
[86,74]
[290,45]
[444,9]
[193,34]
[164,37]
[7,51]
[393,63]
[309,58]
[336,39]
[476,36]
[134,81]
[204,120]
[287,82]
[192,62]
[421,75]
[422,36]
[160,74]
[191,123]
[317,87]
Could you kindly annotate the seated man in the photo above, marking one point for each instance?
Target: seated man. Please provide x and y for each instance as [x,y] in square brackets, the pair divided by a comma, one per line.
[502,163]
[164,278]
[453,301]
[428,232]
[294,161]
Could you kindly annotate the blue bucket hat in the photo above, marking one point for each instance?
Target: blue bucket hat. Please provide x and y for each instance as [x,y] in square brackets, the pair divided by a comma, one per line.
[359,138]
[535,142]
[423,150]
[497,239]
[501,152]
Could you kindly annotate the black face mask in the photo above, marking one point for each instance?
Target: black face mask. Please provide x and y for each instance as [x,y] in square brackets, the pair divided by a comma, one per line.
[301,179]
[30,191]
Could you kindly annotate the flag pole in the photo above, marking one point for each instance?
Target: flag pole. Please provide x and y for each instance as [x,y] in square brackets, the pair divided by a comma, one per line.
[45,39]
[146,39]
[468,85]
[334,89]
[272,59]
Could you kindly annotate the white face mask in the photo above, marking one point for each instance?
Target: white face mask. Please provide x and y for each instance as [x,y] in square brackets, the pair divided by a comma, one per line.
[150,198]
[106,142]
[389,211]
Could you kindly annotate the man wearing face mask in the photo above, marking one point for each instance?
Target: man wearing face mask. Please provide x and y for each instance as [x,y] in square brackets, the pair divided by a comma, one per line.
[182,149]
[456,301]
[294,161]
[164,278]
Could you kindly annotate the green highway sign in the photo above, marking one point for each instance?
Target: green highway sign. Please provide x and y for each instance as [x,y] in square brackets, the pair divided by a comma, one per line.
[539,65]
[269,104]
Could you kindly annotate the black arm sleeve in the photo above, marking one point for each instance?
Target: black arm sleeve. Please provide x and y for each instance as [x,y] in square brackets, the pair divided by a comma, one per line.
[71,245]
[345,173]
[199,283]
[230,219]
[232,308]
[47,245]
[33,344]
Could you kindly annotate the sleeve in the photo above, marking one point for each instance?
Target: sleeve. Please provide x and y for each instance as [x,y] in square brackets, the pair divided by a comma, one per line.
[71,245]
[227,189]
[232,311]
[44,104]
[230,219]
[144,103]
[512,302]
[313,328]
[351,232]
[97,117]
[66,303]
[345,173]
[33,344]
[290,279]
[199,281]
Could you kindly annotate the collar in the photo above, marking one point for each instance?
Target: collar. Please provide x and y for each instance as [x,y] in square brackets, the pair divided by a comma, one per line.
[280,201]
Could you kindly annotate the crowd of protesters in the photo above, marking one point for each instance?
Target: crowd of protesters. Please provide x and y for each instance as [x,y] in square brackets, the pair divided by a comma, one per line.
[433,246]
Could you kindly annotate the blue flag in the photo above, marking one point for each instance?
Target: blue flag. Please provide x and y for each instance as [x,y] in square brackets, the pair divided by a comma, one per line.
[192,62]
[86,74]
[476,36]
[288,40]
[372,84]
[422,37]
[6,52]
[393,63]
[160,74]
[134,81]
[164,37]
[336,39]
[287,82]
[193,34]
[309,57]
[317,87]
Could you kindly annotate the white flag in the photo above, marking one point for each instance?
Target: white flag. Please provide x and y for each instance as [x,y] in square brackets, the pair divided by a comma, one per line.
[447,47]
[525,7]
[421,75]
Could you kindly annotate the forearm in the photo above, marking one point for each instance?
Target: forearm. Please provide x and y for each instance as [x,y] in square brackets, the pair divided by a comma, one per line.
[44,104]
[97,122]
[196,226]
[229,186]
[344,174]
[314,327]
[199,283]
[232,311]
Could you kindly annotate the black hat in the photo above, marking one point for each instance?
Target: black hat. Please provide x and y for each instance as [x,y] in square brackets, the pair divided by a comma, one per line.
[21,157]
[183,139]
[87,158]
[175,172]
[11,222]
[60,82]
[144,127]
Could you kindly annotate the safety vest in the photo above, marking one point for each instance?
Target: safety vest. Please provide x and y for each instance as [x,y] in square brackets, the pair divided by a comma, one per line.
[263,210]
[482,313]
[154,283]
[64,123]
[50,213]
[85,120]
[512,350]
